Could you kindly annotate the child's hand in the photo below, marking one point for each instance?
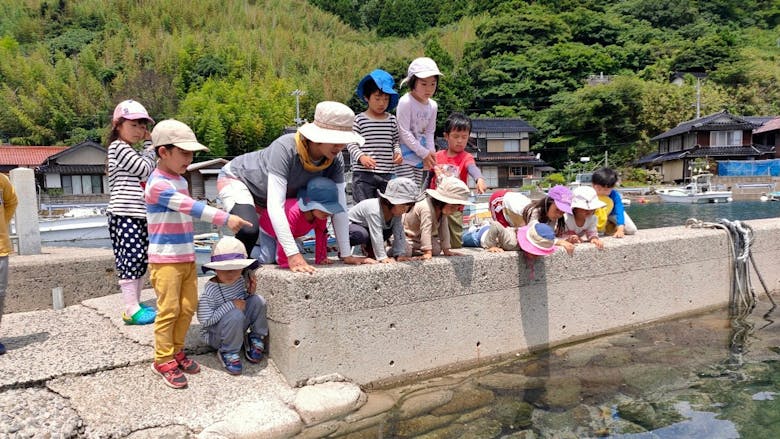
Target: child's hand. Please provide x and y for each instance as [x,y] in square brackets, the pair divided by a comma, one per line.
[568,246]
[619,232]
[429,162]
[240,304]
[449,252]
[426,255]
[326,261]
[481,186]
[598,243]
[235,223]
[387,261]
[298,264]
[368,162]
[495,250]
[574,239]
[354,260]
[403,258]
[398,158]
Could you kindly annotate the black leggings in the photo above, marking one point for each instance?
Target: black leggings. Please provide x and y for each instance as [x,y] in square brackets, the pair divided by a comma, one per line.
[247,235]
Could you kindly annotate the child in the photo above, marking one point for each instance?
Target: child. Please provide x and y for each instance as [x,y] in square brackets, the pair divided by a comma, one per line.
[127,169]
[171,247]
[492,236]
[581,223]
[229,306]
[374,162]
[507,207]
[310,211]
[456,162]
[9,200]
[536,239]
[426,226]
[604,181]
[416,115]
[549,210]
[374,221]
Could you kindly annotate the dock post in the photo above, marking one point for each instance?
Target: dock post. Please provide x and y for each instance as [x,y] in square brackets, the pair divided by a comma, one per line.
[27,230]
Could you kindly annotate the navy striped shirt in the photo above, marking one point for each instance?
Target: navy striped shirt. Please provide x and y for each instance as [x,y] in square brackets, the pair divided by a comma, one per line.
[382,141]
[127,168]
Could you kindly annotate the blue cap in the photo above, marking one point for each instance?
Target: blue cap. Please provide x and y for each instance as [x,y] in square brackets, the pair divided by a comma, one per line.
[322,194]
[385,83]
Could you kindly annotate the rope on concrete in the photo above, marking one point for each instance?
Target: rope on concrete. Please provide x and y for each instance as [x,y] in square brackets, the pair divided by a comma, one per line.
[742,294]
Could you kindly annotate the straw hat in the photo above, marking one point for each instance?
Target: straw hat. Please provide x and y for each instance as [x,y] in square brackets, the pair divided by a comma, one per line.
[229,254]
[332,124]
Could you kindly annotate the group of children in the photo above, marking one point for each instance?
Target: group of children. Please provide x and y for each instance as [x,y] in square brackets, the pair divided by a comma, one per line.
[405,193]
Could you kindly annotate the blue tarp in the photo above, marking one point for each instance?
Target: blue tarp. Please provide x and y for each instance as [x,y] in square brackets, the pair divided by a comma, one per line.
[749,168]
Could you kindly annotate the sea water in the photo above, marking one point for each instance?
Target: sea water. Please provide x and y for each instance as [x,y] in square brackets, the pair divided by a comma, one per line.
[705,376]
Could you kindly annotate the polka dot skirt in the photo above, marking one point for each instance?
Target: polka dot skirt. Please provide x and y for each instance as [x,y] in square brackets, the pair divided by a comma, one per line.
[130,240]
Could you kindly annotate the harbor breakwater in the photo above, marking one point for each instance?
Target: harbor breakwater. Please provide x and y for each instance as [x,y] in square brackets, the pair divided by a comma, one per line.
[381,324]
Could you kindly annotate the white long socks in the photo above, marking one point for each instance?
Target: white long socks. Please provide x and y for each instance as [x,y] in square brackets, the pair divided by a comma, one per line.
[139,285]
[130,295]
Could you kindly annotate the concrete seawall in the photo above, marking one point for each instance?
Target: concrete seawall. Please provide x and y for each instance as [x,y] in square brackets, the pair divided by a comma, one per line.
[374,324]
[380,323]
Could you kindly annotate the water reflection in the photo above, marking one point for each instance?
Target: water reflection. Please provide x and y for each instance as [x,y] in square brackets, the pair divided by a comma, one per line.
[653,215]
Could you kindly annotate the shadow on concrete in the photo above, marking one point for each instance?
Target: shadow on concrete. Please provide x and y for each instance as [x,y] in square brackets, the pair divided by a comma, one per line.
[21,341]
[535,318]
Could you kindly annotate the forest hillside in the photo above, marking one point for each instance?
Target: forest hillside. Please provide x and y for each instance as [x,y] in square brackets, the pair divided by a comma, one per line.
[228,67]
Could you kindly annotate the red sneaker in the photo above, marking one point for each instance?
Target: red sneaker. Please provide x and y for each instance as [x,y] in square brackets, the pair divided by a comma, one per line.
[186,364]
[170,374]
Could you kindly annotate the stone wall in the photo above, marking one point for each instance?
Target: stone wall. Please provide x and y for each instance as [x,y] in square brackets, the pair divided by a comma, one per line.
[382,323]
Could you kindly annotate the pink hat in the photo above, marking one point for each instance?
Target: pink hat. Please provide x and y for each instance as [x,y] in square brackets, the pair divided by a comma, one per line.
[562,197]
[130,110]
[537,239]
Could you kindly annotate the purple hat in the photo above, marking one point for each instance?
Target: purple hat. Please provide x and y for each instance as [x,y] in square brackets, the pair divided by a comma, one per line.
[536,238]
[562,197]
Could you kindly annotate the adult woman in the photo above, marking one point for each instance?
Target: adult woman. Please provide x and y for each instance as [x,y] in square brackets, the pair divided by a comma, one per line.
[264,179]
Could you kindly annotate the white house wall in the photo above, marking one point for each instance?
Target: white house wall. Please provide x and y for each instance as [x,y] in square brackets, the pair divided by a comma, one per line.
[83,156]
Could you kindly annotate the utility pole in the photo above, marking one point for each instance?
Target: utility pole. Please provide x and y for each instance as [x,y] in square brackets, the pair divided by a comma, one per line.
[298,93]
[698,97]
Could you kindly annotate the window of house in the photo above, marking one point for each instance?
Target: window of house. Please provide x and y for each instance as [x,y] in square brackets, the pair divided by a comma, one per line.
[82,184]
[511,145]
[726,138]
[490,174]
[520,171]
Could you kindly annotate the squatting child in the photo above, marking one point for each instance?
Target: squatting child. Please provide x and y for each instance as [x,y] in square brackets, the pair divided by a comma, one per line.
[426,224]
[618,222]
[416,115]
[374,162]
[455,161]
[169,210]
[232,315]
[374,221]
[581,224]
[316,202]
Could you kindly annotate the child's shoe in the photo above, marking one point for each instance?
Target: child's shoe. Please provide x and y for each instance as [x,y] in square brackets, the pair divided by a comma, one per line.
[171,374]
[143,316]
[2,349]
[231,361]
[186,364]
[253,348]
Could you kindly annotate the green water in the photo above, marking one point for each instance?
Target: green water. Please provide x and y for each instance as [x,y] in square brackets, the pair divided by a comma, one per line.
[652,215]
[697,377]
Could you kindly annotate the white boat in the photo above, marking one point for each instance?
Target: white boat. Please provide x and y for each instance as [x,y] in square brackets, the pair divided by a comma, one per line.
[699,191]
[78,223]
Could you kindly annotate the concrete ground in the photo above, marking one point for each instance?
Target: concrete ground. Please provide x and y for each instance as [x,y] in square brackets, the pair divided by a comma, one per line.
[81,372]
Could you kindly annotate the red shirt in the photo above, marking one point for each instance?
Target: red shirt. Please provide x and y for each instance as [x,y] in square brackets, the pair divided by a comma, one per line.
[461,161]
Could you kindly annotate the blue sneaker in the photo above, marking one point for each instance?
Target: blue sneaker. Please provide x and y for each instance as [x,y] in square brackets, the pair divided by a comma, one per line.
[253,348]
[143,316]
[2,349]
[231,361]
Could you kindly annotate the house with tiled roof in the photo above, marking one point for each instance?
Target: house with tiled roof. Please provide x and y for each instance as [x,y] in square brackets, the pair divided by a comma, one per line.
[718,136]
[768,135]
[74,170]
[502,150]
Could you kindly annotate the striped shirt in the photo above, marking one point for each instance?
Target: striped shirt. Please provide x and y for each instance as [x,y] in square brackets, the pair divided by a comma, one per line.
[127,168]
[382,142]
[169,213]
[216,301]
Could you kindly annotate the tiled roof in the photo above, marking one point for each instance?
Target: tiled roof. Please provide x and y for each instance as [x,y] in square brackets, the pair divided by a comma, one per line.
[501,125]
[27,155]
[73,169]
[508,158]
[771,125]
[730,151]
[721,120]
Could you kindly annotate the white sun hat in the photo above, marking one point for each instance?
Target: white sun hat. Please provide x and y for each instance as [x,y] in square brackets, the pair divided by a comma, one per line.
[332,124]
[229,254]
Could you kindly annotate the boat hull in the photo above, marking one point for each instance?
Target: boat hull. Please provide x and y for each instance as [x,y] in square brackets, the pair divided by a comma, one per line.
[688,198]
[73,229]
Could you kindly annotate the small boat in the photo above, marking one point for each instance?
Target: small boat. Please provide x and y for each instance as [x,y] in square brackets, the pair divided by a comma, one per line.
[771,196]
[77,223]
[699,191]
